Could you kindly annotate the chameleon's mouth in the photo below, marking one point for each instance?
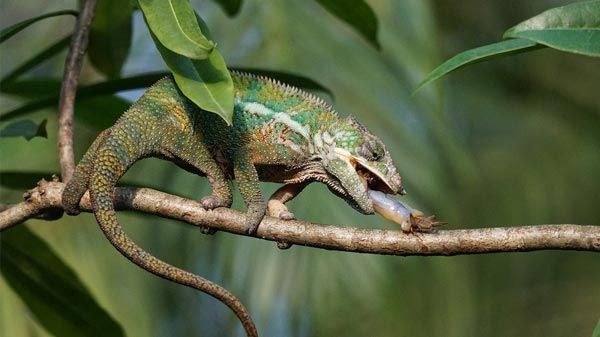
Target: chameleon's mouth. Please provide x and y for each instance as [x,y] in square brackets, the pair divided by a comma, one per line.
[371,179]
[370,176]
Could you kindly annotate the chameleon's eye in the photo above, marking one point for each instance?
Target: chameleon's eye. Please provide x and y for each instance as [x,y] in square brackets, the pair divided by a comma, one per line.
[378,151]
[371,150]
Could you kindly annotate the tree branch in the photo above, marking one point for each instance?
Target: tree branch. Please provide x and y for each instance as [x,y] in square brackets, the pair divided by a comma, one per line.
[47,196]
[68,89]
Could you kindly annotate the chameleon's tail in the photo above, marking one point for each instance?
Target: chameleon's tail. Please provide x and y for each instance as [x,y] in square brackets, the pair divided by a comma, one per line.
[102,187]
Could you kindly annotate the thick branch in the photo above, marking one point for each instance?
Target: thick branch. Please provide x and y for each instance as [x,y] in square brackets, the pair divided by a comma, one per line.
[69,87]
[392,242]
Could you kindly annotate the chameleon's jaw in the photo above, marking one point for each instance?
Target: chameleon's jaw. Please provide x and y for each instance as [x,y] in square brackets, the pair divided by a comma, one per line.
[372,177]
[375,180]
[353,177]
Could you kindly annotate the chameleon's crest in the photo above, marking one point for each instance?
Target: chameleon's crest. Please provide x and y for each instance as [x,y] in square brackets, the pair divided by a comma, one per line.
[288,90]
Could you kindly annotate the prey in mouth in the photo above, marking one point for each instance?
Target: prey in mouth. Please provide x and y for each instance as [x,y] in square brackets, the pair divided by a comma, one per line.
[365,176]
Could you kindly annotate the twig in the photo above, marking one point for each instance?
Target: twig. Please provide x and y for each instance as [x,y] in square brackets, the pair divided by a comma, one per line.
[375,241]
[68,89]
[4,207]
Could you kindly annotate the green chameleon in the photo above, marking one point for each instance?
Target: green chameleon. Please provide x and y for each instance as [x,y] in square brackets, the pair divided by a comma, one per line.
[279,134]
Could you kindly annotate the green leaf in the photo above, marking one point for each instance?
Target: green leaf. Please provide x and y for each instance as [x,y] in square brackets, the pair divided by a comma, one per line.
[573,28]
[174,24]
[477,55]
[357,14]
[26,129]
[231,7]
[207,83]
[51,289]
[37,59]
[596,332]
[14,29]
[110,36]
[288,78]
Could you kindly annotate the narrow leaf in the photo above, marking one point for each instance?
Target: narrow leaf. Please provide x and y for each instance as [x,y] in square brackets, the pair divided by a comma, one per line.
[477,55]
[596,332]
[110,36]
[99,113]
[51,289]
[42,56]
[31,88]
[84,92]
[231,7]
[25,128]
[102,90]
[18,180]
[207,83]
[288,78]
[96,111]
[14,29]
[572,28]
[174,24]
[357,14]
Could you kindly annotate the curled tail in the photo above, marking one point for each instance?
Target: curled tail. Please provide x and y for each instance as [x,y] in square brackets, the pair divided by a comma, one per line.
[107,171]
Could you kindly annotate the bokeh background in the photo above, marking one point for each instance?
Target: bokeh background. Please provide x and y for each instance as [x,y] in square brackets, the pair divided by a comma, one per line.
[508,142]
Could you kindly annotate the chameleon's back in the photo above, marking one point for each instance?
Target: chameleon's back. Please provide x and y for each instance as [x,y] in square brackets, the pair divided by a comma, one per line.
[274,121]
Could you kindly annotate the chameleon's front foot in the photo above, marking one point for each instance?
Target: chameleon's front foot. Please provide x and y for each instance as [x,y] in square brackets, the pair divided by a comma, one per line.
[213,201]
[254,215]
[73,192]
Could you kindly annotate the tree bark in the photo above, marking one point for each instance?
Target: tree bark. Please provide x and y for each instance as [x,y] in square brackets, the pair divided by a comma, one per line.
[47,198]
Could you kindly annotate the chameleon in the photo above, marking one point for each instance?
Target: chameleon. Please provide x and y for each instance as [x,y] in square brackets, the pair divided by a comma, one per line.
[279,133]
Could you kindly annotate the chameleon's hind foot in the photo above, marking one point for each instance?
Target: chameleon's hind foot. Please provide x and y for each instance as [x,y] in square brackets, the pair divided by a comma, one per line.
[277,209]
[286,215]
[212,202]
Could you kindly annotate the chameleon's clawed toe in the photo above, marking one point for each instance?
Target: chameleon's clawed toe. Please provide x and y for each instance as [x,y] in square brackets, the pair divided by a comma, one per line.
[277,209]
[71,210]
[251,228]
[254,216]
[212,202]
[286,215]
[70,204]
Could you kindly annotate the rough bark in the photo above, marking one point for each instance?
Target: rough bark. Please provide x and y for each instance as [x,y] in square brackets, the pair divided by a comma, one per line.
[46,199]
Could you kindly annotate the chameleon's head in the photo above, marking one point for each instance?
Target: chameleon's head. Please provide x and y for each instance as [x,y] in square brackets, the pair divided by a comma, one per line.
[359,161]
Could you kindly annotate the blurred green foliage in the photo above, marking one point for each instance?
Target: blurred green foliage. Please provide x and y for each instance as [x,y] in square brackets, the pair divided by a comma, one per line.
[574,28]
[51,289]
[510,142]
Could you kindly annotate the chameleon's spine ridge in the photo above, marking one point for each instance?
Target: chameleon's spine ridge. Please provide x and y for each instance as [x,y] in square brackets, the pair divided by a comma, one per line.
[288,89]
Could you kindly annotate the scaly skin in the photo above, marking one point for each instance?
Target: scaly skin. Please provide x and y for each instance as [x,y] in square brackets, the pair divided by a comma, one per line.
[279,134]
